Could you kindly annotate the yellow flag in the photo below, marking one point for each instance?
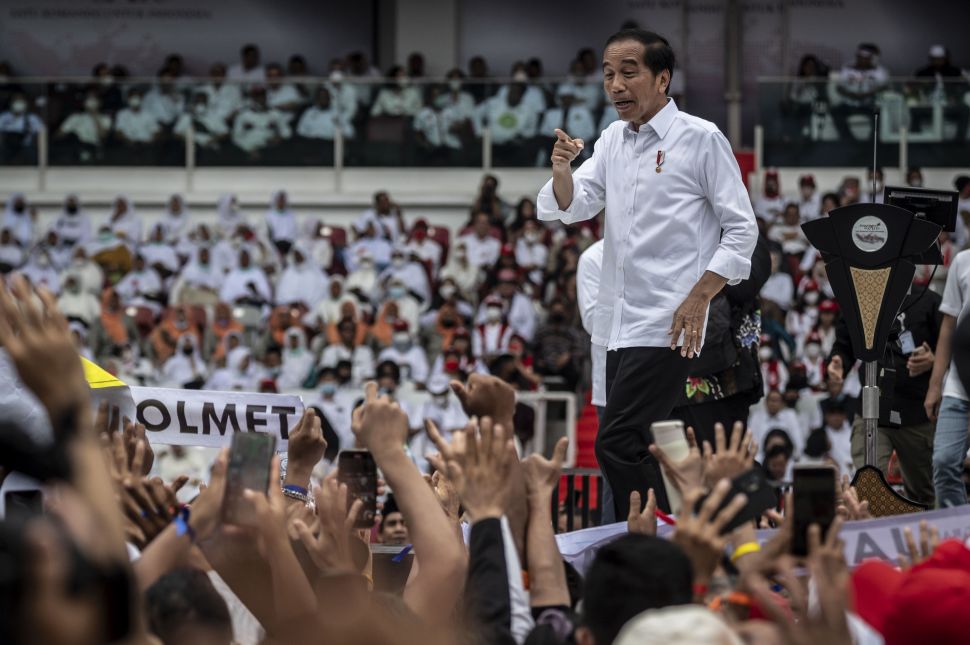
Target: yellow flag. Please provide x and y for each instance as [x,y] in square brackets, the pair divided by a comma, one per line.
[98,377]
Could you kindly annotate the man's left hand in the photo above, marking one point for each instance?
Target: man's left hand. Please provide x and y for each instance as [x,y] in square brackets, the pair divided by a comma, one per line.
[689,320]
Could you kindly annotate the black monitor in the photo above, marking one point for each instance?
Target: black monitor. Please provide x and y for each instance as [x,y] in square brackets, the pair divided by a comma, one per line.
[937,206]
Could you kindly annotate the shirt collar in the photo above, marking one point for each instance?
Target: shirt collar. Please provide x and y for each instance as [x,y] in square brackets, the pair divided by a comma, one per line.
[661,121]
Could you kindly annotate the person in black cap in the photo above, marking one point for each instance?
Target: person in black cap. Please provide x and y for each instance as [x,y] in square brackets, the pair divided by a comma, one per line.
[393,529]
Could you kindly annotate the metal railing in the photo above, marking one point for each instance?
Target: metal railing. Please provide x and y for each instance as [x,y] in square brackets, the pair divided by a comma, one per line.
[577,502]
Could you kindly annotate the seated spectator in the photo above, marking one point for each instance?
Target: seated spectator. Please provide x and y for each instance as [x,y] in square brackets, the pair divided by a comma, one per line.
[258,127]
[874,176]
[585,93]
[240,373]
[135,125]
[218,332]
[775,415]
[512,123]
[838,430]
[489,201]
[159,254]
[246,284]
[406,306]
[534,95]
[298,361]
[424,249]
[19,127]
[803,317]
[941,70]
[386,216]
[175,219]
[124,222]
[398,97]
[482,249]
[459,269]
[444,410]
[770,205]
[914,177]
[409,356]
[327,310]
[77,304]
[570,116]
[208,123]
[850,191]
[281,95]
[164,100]
[230,216]
[301,283]
[248,69]
[73,225]
[530,252]
[830,201]
[185,368]
[858,86]
[322,119]
[12,254]
[224,99]
[778,451]
[342,94]
[457,102]
[788,233]
[86,130]
[88,271]
[516,306]
[18,218]
[809,201]
[281,224]
[492,336]
[349,348]
[807,90]
[429,132]
[39,269]
[778,288]
[408,272]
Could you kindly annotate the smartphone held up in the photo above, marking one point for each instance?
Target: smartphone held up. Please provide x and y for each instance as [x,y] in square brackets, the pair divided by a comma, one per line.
[250,458]
[358,470]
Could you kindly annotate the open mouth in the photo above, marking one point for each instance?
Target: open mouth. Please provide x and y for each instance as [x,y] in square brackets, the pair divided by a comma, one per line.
[622,105]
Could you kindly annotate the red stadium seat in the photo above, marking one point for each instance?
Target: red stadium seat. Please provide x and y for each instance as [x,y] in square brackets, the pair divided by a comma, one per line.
[442,236]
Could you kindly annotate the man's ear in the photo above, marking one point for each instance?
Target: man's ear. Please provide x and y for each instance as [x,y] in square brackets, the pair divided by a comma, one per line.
[664,81]
[584,636]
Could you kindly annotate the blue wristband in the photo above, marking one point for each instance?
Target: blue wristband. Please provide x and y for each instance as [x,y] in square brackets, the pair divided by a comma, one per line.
[293,488]
[182,524]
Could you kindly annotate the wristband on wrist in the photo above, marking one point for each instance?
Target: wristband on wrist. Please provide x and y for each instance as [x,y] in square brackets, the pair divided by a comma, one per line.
[296,492]
[700,590]
[182,526]
[745,549]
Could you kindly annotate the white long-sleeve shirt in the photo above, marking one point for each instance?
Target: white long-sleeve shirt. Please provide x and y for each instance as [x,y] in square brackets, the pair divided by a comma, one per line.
[663,229]
[587,286]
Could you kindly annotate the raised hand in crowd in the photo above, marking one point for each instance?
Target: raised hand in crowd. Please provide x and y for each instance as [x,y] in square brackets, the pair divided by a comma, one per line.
[849,505]
[700,532]
[547,577]
[687,474]
[643,522]
[731,457]
[929,539]
[487,396]
[482,477]
[329,546]
[305,448]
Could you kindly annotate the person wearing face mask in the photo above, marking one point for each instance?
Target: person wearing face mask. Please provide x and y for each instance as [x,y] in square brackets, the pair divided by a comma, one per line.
[907,430]
[408,355]
[530,253]
[558,351]
[362,279]
[18,131]
[809,200]
[17,218]
[492,336]
[136,126]
[165,339]
[803,317]
[73,225]
[512,122]
[164,100]
[774,373]
[40,270]
[142,286]
[246,283]
[84,132]
[349,349]
[160,254]
[209,125]
[590,95]
[465,275]
[90,274]
[422,247]
[281,222]
[224,99]
[123,220]
[445,411]
[298,361]
[914,177]
[814,362]
[334,406]
[198,283]
[77,304]
[875,197]
[368,247]
[185,369]
[774,414]
[409,273]
[405,306]
[398,97]
[321,120]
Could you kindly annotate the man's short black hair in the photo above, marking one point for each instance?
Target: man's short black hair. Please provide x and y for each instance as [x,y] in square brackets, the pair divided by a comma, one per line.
[630,575]
[184,596]
[657,52]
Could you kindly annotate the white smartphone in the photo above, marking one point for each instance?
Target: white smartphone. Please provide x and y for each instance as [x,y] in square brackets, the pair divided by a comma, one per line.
[669,437]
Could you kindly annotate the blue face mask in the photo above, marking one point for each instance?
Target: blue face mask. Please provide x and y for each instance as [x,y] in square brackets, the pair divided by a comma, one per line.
[396,293]
[328,389]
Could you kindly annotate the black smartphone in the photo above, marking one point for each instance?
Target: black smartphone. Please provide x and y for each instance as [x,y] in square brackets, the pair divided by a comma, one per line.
[357,469]
[814,493]
[250,456]
[20,505]
[761,497]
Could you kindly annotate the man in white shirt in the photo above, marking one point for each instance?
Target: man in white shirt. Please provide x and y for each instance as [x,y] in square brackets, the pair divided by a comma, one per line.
[258,127]
[947,402]
[512,123]
[18,129]
[164,101]
[482,248]
[224,98]
[858,86]
[134,124]
[423,248]
[386,217]
[323,119]
[282,96]
[209,125]
[679,228]
[776,415]
[89,127]
[571,116]
[248,69]
[411,358]
[809,200]
[531,253]
[492,336]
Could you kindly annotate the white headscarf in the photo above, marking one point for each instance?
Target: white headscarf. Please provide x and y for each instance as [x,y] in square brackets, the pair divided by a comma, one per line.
[304,282]
[40,271]
[73,229]
[230,217]
[128,224]
[160,252]
[181,369]
[236,283]
[20,224]
[197,275]
[297,363]
[175,224]
[281,224]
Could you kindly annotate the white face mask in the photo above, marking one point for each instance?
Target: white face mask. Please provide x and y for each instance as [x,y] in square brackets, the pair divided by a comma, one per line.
[91,104]
[134,102]
[532,237]
[396,293]
[812,351]
[454,84]
[199,109]
[404,81]
[398,262]
[336,76]
[493,314]
[520,76]
[447,291]
[19,106]
[811,298]
[765,354]
[401,339]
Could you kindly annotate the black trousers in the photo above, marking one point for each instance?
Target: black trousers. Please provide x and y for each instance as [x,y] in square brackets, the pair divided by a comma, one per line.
[642,386]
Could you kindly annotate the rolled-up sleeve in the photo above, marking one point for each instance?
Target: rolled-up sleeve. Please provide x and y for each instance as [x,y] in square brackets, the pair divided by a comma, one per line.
[589,192]
[732,207]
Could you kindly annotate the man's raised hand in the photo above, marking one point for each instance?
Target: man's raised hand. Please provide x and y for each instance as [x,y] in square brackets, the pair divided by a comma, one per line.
[487,396]
[565,150]
[381,426]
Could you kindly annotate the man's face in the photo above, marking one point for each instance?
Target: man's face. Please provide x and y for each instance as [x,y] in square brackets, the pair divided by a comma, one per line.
[394,531]
[834,418]
[774,403]
[244,260]
[777,467]
[506,289]
[383,203]
[218,72]
[347,333]
[250,58]
[636,92]
[273,76]
[863,60]
[481,225]
[516,91]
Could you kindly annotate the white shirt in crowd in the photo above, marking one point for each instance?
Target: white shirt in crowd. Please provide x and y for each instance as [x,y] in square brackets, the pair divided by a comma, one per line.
[955,303]
[591,95]
[139,125]
[507,122]
[760,423]
[532,253]
[319,123]
[344,96]
[481,252]
[208,126]
[428,250]
[402,101]
[248,283]
[491,338]
[164,106]
[412,359]
[225,99]
[587,285]
[84,126]
[578,123]
[810,208]
[533,97]
[255,129]
[769,208]
[861,81]
[23,122]
[664,229]
[361,359]
[284,97]
[239,73]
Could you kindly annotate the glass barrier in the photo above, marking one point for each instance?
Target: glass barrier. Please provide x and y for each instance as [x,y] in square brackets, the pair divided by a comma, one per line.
[295,122]
[828,121]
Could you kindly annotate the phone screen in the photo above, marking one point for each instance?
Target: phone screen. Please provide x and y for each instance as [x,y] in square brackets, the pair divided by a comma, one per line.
[761,497]
[357,469]
[669,437]
[814,493]
[250,456]
[20,505]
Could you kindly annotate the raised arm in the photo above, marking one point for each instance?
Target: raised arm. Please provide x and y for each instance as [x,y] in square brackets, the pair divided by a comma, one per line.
[572,197]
